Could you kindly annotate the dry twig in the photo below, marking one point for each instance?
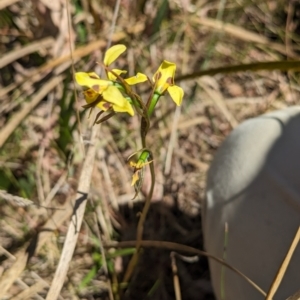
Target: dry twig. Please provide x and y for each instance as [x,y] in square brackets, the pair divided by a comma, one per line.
[283,267]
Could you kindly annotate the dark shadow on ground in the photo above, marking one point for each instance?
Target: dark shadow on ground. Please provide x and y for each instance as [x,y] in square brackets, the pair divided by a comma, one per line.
[153,278]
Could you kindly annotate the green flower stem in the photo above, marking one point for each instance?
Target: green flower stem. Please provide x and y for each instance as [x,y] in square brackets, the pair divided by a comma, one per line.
[144,130]
[140,228]
[145,155]
[153,103]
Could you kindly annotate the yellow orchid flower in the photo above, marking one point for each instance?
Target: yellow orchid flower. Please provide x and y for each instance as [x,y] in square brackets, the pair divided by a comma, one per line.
[164,81]
[111,98]
[105,94]
[108,95]
[138,167]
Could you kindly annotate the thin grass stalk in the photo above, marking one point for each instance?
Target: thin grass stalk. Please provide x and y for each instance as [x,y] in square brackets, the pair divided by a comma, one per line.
[176,282]
[183,248]
[279,276]
[140,228]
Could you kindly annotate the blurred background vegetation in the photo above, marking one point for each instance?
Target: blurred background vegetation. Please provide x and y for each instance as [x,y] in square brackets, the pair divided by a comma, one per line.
[43,130]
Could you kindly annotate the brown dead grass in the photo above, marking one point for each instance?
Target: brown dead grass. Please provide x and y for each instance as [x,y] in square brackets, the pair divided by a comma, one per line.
[42,143]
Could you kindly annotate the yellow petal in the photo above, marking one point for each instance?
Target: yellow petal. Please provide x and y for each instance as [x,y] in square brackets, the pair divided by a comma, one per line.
[115,97]
[90,95]
[176,94]
[112,77]
[126,108]
[164,76]
[135,177]
[113,53]
[93,75]
[103,105]
[138,78]
[132,164]
[89,80]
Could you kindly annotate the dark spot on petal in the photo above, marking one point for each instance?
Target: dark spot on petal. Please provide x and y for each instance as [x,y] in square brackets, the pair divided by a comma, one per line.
[107,105]
[93,76]
[157,76]
[170,81]
[96,88]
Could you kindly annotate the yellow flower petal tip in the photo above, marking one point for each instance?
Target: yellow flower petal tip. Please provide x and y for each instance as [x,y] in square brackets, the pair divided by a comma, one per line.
[135,177]
[113,77]
[176,94]
[164,81]
[92,81]
[80,77]
[138,78]
[93,75]
[113,53]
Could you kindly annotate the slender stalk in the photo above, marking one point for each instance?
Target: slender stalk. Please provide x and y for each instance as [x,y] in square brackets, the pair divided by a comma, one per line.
[145,124]
[140,228]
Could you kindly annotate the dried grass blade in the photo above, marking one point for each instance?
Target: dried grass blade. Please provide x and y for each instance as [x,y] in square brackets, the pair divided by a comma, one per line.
[218,99]
[11,274]
[31,292]
[282,65]
[244,34]
[6,131]
[295,296]
[76,220]
[15,270]
[18,53]
[77,54]
[283,267]
[176,282]
[19,201]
